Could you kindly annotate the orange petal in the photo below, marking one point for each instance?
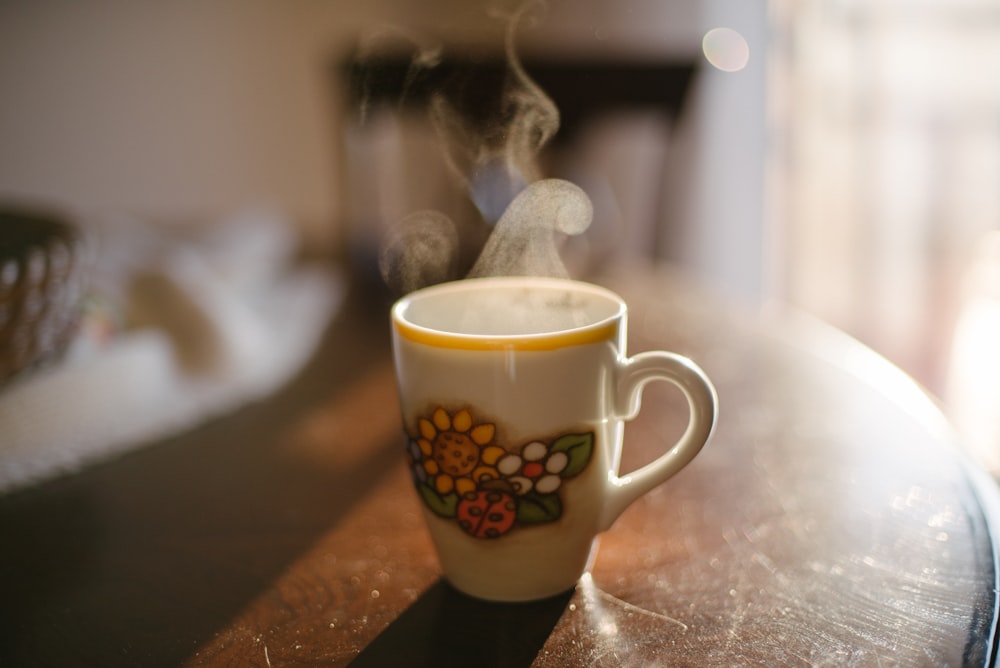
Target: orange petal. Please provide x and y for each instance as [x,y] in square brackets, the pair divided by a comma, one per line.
[441,420]
[492,454]
[425,447]
[464,486]
[483,433]
[462,421]
[444,483]
[485,472]
[431,466]
[427,430]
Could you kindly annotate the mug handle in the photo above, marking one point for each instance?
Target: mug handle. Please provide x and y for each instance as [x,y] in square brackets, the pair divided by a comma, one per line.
[703,404]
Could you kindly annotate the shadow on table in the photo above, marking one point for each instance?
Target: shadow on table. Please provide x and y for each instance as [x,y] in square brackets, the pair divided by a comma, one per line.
[447,628]
[139,559]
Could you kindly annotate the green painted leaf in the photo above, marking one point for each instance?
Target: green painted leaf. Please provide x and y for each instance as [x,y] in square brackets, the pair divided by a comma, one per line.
[534,508]
[445,506]
[578,447]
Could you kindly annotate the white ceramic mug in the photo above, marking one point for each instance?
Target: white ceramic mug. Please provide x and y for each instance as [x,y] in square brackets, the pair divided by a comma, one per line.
[514,392]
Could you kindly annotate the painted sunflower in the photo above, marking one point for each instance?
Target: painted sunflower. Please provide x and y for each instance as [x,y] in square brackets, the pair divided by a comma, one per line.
[455,453]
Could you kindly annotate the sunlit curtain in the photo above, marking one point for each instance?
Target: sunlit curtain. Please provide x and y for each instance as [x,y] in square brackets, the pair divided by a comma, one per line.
[885,147]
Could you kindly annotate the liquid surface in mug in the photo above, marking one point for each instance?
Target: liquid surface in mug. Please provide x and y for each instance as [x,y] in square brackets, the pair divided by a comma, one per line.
[511,310]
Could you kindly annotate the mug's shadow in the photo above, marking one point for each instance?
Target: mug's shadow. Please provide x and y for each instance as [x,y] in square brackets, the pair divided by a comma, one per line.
[447,628]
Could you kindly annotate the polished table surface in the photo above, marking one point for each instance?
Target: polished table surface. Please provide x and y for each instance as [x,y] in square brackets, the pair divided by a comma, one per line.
[830,521]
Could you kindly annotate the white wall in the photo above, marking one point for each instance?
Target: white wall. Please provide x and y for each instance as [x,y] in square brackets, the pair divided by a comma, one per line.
[720,200]
[194,109]
[186,109]
[170,110]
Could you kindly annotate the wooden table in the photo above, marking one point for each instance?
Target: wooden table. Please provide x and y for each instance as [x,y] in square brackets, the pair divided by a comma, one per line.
[831,521]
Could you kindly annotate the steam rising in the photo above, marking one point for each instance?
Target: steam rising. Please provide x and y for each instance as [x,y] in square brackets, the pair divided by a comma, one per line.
[496,164]
[522,124]
[421,250]
[524,242]
[534,117]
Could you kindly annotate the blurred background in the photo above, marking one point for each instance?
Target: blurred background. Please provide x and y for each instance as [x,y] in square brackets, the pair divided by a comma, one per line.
[842,156]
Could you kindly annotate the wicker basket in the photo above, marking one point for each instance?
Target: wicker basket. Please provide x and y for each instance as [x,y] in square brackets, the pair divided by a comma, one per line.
[41,288]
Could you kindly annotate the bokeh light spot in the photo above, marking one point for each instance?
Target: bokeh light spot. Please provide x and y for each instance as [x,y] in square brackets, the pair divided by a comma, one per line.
[726,49]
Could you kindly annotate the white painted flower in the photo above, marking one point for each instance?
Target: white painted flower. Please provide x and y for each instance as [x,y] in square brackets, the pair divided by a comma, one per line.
[521,484]
[535,451]
[557,462]
[548,484]
[509,465]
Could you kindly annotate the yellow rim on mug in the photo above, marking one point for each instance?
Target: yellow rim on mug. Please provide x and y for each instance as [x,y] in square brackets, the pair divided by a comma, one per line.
[605,329]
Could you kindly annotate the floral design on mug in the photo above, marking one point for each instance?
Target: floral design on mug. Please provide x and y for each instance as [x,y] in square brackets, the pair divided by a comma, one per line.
[462,473]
